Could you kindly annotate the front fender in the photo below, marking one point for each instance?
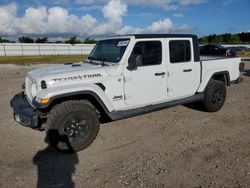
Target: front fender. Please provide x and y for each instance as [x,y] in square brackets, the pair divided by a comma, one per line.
[72,90]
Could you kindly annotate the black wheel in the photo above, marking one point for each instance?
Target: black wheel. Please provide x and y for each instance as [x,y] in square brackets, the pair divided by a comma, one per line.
[72,125]
[215,96]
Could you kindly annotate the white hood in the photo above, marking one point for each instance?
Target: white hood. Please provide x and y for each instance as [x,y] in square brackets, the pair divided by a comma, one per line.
[68,72]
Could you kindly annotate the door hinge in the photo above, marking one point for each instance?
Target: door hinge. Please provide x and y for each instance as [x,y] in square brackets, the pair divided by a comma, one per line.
[126,97]
[169,73]
[126,79]
[169,89]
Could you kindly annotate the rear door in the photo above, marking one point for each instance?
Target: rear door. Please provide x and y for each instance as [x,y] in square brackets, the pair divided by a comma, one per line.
[147,84]
[183,72]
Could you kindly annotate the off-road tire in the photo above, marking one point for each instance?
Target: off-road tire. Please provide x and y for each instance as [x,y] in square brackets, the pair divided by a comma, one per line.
[79,114]
[215,96]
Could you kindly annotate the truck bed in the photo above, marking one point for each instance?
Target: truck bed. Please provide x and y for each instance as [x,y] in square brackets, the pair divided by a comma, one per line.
[211,65]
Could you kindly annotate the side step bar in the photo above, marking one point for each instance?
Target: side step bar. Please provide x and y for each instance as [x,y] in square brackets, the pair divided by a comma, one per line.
[151,108]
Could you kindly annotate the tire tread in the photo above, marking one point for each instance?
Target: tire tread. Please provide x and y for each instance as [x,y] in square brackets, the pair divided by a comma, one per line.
[68,107]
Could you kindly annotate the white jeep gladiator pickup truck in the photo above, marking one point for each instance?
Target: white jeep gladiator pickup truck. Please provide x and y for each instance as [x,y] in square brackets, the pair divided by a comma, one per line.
[123,76]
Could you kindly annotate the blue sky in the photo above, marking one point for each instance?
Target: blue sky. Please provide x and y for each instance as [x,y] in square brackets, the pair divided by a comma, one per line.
[92,18]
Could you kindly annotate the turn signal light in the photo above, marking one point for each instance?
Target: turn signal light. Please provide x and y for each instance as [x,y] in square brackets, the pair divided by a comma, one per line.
[44,101]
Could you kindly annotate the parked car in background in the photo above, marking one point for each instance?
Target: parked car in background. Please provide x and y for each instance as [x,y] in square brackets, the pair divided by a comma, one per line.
[243,48]
[234,50]
[215,50]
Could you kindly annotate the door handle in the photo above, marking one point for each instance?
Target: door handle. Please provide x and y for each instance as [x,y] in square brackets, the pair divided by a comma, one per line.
[160,73]
[187,70]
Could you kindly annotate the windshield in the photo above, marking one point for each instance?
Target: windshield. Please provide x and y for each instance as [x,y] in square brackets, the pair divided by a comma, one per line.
[109,50]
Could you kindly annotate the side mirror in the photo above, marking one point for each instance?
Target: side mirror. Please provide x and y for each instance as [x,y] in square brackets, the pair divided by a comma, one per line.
[134,61]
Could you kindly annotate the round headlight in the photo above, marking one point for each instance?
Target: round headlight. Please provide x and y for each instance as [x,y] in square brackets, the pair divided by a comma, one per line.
[33,89]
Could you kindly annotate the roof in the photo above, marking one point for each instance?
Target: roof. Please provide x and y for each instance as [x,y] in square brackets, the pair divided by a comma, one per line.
[146,36]
[140,36]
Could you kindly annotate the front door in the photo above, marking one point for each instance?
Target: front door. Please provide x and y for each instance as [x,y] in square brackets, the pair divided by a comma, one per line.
[147,84]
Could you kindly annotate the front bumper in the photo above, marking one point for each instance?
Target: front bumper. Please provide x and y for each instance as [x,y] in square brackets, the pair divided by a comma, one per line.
[23,112]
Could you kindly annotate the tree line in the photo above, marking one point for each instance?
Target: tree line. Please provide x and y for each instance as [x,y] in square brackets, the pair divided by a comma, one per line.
[227,38]
[71,40]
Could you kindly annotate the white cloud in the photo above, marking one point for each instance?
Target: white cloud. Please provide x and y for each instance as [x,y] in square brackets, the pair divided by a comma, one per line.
[144,14]
[191,2]
[33,20]
[161,26]
[114,11]
[58,22]
[91,2]
[89,8]
[89,21]
[183,29]
[55,20]
[129,30]
[161,4]
[228,2]
[8,16]
[178,15]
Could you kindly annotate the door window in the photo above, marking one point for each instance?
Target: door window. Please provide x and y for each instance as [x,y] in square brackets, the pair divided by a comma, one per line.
[180,51]
[150,52]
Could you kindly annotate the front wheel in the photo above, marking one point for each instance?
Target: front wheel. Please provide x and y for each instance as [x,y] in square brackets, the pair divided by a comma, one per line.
[215,96]
[72,125]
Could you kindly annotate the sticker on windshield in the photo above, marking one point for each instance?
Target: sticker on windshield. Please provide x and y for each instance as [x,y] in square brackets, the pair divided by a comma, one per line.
[123,43]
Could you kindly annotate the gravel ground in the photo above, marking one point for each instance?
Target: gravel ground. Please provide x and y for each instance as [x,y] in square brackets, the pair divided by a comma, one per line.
[176,147]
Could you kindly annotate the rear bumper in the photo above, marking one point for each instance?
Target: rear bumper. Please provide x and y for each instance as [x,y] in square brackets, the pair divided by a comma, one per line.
[238,81]
[23,112]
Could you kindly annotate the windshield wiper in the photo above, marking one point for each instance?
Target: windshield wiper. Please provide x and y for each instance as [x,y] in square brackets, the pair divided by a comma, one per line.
[91,61]
[103,61]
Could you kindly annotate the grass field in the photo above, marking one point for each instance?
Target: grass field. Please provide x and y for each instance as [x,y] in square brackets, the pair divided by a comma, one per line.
[243,54]
[27,60]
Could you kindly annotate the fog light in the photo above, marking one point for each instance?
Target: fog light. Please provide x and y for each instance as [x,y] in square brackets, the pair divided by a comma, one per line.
[25,120]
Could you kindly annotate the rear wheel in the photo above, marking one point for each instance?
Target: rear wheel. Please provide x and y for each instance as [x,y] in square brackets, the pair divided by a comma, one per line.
[215,96]
[72,125]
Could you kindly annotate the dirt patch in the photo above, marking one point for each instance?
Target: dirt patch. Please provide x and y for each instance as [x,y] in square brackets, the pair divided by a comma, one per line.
[176,147]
